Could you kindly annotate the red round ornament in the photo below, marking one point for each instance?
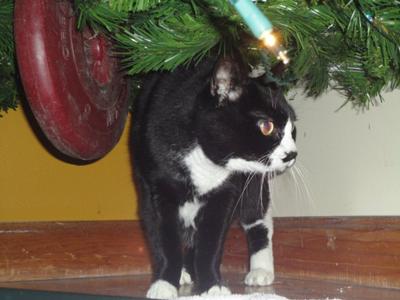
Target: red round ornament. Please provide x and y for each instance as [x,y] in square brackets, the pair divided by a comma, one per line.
[72,81]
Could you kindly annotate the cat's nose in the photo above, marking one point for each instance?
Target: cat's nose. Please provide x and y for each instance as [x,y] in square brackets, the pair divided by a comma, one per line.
[290,156]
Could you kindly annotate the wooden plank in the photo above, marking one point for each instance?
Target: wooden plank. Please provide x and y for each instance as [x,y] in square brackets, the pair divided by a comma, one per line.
[71,250]
[363,250]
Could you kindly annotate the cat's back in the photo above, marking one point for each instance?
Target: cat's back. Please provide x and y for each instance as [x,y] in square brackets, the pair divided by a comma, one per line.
[165,112]
[166,95]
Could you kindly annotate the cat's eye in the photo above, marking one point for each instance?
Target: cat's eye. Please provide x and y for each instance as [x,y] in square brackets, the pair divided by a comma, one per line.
[266,127]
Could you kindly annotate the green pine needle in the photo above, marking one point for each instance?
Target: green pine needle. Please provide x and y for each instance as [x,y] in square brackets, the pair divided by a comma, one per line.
[132,5]
[166,45]
[352,46]
[98,15]
[8,87]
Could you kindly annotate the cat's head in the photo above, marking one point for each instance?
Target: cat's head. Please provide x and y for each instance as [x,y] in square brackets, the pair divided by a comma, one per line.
[247,125]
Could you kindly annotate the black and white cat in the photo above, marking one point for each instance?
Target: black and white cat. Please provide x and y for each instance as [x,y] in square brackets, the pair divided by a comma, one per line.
[204,139]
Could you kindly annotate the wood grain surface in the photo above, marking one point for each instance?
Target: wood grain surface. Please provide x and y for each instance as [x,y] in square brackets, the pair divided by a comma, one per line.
[71,250]
[363,250]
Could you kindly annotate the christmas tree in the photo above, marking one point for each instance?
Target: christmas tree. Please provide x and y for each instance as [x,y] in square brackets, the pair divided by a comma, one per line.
[8,76]
[349,46]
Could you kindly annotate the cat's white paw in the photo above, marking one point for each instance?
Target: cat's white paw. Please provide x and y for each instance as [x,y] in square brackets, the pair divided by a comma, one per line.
[217,290]
[185,278]
[162,289]
[259,277]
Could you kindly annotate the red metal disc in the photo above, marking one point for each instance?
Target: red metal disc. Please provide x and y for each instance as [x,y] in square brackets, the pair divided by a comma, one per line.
[73,83]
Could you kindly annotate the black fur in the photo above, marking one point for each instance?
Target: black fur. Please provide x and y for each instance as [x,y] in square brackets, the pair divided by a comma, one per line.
[175,112]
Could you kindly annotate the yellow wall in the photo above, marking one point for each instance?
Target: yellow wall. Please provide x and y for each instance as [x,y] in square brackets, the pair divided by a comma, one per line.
[36,186]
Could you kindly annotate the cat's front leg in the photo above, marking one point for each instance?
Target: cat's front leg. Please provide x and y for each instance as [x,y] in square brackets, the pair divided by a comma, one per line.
[259,236]
[187,273]
[159,216]
[212,228]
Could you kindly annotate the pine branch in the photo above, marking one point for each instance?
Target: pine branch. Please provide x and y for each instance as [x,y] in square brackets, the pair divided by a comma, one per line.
[166,44]
[99,16]
[132,5]
[8,85]
[6,37]
[163,37]
[352,46]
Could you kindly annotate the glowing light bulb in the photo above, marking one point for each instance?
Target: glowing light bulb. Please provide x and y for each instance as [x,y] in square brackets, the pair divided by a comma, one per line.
[261,27]
[282,55]
[268,38]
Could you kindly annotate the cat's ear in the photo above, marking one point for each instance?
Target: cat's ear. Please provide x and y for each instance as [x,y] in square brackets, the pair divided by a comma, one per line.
[269,77]
[228,80]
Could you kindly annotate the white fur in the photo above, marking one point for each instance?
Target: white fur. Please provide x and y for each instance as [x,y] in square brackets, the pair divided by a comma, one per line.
[217,290]
[262,259]
[268,223]
[162,289]
[257,71]
[286,146]
[223,81]
[188,212]
[242,165]
[259,277]
[205,175]
[247,227]
[222,85]
[262,262]
[185,277]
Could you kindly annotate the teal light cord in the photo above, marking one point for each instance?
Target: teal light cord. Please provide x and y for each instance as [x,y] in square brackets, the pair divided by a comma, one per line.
[252,16]
[260,26]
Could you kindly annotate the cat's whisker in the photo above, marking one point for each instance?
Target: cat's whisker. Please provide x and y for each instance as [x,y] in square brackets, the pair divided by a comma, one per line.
[228,156]
[300,176]
[262,190]
[303,200]
[248,180]
[274,185]
[307,187]
[274,175]
[239,200]
[263,157]
[298,197]
[263,160]
[302,167]
[300,187]
[303,173]
[271,188]
[296,184]
[304,185]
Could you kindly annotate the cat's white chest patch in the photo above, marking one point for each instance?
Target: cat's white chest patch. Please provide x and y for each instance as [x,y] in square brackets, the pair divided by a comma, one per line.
[205,174]
[245,166]
[189,211]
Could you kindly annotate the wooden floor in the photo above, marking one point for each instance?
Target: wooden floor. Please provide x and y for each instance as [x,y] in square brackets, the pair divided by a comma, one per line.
[136,286]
